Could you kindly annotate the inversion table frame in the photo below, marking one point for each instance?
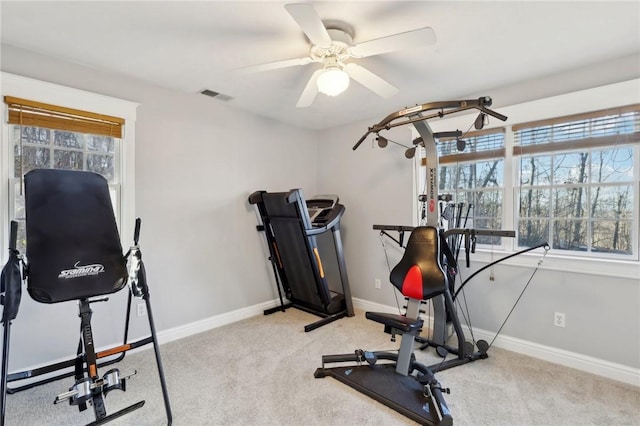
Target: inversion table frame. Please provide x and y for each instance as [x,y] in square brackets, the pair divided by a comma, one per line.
[89,193]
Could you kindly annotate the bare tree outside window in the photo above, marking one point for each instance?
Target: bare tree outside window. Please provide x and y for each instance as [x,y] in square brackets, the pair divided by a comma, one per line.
[580,200]
[476,183]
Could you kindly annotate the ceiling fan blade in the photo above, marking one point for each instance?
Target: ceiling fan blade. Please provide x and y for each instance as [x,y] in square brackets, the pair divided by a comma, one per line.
[275,65]
[309,20]
[369,80]
[407,40]
[310,91]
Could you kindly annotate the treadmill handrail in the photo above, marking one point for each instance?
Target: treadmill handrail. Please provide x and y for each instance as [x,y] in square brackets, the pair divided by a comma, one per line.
[334,222]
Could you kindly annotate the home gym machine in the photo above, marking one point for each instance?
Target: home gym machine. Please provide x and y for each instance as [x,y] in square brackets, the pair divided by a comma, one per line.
[305,251]
[74,253]
[426,272]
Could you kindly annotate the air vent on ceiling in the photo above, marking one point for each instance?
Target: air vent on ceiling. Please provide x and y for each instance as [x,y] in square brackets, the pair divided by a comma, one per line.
[217,95]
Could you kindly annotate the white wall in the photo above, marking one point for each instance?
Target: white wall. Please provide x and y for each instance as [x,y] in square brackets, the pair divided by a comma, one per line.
[376,187]
[197,161]
[602,310]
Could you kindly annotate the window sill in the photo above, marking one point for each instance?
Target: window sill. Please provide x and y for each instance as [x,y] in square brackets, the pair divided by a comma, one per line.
[628,269]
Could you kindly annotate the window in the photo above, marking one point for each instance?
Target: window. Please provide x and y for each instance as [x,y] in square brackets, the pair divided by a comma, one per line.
[570,181]
[39,147]
[51,126]
[578,183]
[473,181]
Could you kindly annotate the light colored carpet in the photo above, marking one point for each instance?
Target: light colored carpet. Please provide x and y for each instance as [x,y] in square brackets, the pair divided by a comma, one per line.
[260,372]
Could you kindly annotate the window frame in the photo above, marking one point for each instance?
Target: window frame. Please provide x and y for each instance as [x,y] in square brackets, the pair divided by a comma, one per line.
[50,93]
[585,141]
[584,101]
[465,158]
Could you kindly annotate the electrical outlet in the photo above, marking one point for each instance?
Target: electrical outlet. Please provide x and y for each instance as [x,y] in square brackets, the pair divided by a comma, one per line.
[142,309]
[378,284]
[559,319]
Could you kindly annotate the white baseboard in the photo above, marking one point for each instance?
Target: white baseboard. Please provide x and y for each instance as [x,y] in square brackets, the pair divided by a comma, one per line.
[611,370]
[210,323]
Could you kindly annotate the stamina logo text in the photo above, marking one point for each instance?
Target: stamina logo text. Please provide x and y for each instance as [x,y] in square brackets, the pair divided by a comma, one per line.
[81,271]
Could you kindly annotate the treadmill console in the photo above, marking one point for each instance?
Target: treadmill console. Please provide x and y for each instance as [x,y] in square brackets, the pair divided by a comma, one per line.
[319,207]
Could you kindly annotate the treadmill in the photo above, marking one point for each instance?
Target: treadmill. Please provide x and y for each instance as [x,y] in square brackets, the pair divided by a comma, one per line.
[306,253]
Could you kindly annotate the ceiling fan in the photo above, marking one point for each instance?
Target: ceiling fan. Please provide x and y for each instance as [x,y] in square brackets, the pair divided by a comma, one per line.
[332,46]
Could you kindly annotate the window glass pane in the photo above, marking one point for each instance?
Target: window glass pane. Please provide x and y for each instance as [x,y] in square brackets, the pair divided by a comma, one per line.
[461,176]
[613,165]
[612,236]
[571,168]
[488,204]
[18,201]
[464,197]
[101,164]
[612,202]
[535,203]
[535,170]
[488,173]
[33,157]
[464,176]
[18,213]
[68,139]
[67,160]
[100,143]
[532,232]
[570,235]
[30,134]
[570,202]
[587,195]
[446,177]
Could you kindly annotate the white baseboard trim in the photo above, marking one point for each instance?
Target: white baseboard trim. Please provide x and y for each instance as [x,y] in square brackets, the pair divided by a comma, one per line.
[600,367]
[216,321]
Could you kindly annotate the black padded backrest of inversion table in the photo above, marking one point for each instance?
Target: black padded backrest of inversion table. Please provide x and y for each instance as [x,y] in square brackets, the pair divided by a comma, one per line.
[290,222]
[73,245]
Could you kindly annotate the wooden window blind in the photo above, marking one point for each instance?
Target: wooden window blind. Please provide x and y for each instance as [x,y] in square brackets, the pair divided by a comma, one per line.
[33,113]
[603,128]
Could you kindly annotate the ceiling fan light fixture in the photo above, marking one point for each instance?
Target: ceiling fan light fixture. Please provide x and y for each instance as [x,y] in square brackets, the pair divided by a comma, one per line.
[333,81]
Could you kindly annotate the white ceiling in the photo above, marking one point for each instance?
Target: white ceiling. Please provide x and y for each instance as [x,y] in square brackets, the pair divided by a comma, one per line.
[508,50]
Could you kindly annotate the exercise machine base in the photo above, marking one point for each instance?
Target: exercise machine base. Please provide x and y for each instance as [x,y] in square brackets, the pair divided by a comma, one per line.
[325,318]
[117,414]
[401,393]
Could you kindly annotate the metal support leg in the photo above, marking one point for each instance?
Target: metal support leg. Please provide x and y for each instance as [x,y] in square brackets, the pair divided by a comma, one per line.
[5,366]
[406,345]
[156,349]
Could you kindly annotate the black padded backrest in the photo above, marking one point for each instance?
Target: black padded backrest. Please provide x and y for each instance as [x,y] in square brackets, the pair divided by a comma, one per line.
[419,274]
[73,245]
